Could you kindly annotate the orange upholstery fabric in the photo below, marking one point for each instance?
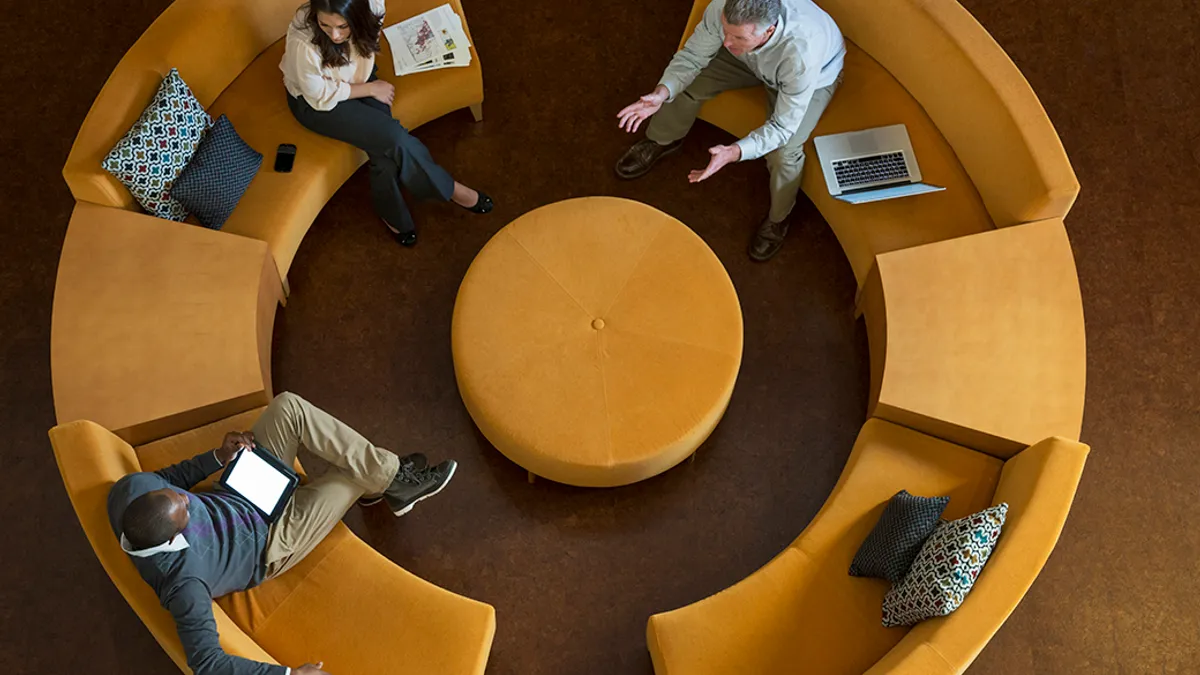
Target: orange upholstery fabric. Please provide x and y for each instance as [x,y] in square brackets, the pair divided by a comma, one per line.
[278,207]
[159,326]
[997,154]
[353,608]
[803,609]
[228,53]
[91,459]
[975,96]
[870,97]
[343,604]
[984,342]
[167,451]
[587,403]
[1039,485]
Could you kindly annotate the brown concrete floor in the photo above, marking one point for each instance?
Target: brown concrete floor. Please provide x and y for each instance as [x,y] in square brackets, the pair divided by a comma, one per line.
[574,573]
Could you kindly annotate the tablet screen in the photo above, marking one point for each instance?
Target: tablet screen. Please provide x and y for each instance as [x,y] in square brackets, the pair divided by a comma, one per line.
[256,480]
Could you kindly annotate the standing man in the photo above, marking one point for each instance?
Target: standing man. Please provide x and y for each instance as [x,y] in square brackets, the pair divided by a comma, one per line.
[791,46]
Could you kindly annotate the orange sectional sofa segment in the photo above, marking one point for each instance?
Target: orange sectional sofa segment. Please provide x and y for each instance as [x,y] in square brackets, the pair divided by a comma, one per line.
[344,603]
[977,347]
[977,127]
[228,53]
[803,612]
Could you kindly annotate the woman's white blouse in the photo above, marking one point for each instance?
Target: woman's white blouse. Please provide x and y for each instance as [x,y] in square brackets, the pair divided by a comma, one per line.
[303,74]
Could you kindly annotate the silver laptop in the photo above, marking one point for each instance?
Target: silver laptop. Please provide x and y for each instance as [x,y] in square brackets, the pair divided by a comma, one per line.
[871,165]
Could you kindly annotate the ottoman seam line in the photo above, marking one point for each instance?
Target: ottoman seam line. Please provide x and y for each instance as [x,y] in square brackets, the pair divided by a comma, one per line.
[551,275]
[621,329]
[604,390]
[633,270]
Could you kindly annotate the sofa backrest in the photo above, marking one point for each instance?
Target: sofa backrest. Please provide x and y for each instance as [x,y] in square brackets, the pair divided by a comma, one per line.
[1039,486]
[973,92]
[210,41]
[91,459]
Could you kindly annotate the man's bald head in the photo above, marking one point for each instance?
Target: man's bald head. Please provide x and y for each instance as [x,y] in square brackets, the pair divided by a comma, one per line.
[154,518]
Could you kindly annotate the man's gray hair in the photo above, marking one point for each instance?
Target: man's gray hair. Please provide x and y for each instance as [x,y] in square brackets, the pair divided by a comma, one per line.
[761,13]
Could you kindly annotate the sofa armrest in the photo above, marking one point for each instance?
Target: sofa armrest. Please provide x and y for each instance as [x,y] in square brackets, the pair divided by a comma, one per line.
[92,458]
[1039,486]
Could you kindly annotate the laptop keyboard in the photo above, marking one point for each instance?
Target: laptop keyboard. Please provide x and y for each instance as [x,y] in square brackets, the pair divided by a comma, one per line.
[874,169]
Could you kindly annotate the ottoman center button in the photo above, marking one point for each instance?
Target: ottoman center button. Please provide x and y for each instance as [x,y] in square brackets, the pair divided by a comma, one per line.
[598,324]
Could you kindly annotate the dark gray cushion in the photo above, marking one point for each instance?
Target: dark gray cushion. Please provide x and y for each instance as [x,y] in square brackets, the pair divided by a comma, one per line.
[890,549]
[217,176]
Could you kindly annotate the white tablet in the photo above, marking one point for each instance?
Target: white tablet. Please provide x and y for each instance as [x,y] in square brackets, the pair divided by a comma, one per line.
[262,479]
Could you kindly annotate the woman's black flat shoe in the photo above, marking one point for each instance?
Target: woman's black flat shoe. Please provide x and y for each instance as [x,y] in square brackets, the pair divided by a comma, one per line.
[408,239]
[482,205]
[403,238]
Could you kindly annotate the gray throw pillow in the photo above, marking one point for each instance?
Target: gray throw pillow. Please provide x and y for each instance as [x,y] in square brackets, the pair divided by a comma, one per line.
[893,544]
[217,176]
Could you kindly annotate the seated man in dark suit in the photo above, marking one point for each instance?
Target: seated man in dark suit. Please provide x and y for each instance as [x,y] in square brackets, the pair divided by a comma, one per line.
[193,547]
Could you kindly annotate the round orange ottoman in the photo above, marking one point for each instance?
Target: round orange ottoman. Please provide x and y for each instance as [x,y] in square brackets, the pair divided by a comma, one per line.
[596,341]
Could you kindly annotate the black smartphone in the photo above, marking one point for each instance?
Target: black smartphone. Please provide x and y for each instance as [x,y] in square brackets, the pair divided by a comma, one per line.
[284,157]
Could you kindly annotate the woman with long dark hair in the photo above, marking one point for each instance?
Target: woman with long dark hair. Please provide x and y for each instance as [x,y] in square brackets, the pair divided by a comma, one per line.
[329,71]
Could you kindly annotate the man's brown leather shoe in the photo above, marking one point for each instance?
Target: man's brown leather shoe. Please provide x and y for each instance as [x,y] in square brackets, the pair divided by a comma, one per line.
[768,240]
[639,159]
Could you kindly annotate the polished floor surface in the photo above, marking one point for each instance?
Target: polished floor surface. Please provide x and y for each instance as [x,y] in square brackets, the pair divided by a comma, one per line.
[573,573]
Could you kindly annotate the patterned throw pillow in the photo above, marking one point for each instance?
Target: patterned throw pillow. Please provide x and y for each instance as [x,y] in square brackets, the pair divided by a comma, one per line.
[906,523]
[945,569]
[218,175]
[154,151]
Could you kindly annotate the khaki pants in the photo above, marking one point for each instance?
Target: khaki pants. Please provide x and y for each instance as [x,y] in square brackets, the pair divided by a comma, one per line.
[361,468]
[723,73]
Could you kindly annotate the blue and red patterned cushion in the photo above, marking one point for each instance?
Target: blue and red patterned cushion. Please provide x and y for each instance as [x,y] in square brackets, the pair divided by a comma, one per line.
[215,180]
[946,568]
[149,158]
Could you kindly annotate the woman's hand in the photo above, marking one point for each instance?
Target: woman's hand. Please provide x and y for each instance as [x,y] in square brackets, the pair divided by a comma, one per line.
[382,91]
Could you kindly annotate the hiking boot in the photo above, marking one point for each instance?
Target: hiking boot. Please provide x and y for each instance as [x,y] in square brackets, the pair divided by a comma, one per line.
[415,462]
[767,240]
[410,487]
[642,156]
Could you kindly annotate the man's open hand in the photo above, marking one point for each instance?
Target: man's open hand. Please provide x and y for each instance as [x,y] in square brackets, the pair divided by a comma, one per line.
[234,441]
[632,115]
[721,155]
[310,669]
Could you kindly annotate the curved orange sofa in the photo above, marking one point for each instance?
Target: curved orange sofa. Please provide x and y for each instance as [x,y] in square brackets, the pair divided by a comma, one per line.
[977,355]
[228,52]
[977,127]
[344,604]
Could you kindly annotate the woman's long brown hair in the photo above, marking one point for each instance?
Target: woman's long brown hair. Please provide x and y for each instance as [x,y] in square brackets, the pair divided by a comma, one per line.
[365,27]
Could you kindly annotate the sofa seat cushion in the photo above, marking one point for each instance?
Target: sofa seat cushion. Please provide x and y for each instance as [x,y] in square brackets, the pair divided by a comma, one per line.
[870,97]
[343,583]
[278,208]
[375,607]
[803,611]
[172,449]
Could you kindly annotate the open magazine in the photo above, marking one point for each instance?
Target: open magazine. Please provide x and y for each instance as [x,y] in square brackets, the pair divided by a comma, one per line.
[429,41]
